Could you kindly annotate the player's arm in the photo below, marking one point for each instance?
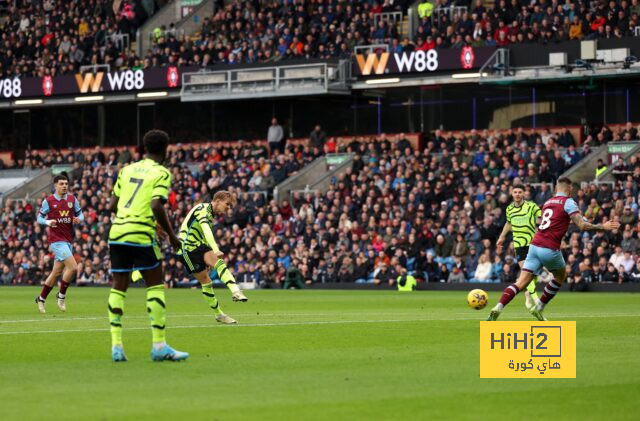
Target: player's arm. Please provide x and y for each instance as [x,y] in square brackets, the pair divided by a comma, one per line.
[503,235]
[115,196]
[42,215]
[78,214]
[207,230]
[159,196]
[571,207]
[584,225]
[537,214]
[157,207]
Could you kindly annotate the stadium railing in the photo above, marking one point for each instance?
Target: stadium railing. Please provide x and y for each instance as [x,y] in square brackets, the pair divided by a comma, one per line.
[390,17]
[121,41]
[451,11]
[285,80]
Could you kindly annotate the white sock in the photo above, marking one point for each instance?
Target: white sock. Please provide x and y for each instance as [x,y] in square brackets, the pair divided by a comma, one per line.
[499,307]
[61,295]
[159,345]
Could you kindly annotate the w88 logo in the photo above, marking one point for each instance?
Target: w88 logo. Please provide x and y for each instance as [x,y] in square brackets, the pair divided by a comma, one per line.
[10,88]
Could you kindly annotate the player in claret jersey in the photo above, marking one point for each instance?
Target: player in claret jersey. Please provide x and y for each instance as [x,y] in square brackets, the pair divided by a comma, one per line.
[557,213]
[59,212]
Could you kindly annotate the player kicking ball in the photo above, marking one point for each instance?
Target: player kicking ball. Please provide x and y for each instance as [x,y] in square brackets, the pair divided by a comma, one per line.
[557,213]
[60,211]
[138,199]
[522,219]
[200,251]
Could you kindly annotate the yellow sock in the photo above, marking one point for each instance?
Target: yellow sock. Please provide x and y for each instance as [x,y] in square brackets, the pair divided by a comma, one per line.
[156,308]
[116,311]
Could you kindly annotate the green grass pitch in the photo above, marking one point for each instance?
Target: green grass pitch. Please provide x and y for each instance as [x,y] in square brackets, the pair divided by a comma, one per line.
[306,355]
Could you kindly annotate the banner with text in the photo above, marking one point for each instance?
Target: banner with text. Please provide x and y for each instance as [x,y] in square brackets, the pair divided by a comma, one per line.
[92,83]
[429,61]
[528,350]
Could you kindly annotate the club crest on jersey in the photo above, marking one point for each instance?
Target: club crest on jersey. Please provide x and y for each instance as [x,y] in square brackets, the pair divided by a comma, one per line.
[70,205]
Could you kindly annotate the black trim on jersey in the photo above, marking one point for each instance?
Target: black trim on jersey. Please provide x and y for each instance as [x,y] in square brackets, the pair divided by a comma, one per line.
[134,222]
[151,237]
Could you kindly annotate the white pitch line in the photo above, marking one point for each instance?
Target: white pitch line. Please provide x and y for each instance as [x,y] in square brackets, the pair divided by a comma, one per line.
[223,326]
[176,316]
[399,313]
[328,322]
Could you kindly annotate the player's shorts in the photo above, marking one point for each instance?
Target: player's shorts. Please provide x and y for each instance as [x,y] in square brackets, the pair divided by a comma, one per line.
[127,258]
[194,260]
[61,250]
[541,256]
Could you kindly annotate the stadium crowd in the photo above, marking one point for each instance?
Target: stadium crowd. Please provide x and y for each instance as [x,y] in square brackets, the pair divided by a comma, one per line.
[39,38]
[508,22]
[434,212]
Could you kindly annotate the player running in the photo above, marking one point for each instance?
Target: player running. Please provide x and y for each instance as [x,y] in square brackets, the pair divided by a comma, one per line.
[522,218]
[138,197]
[557,213]
[200,251]
[60,211]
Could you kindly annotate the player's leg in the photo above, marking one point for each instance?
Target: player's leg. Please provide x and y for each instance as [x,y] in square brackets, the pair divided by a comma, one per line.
[149,264]
[121,257]
[116,312]
[510,292]
[211,260]
[530,295]
[210,297]
[532,264]
[58,267]
[68,276]
[551,289]
[531,291]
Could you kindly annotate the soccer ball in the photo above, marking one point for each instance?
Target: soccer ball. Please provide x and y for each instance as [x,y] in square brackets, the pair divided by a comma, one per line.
[477,299]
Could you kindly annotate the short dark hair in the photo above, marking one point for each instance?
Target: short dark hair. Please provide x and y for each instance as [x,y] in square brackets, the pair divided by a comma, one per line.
[61,176]
[155,142]
[565,180]
[518,186]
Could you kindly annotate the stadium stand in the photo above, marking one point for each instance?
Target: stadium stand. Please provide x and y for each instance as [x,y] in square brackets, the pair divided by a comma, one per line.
[434,211]
[57,37]
[501,23]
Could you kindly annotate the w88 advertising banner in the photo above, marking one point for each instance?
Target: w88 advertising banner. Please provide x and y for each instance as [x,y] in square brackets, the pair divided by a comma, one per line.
[99,82]
[429,61]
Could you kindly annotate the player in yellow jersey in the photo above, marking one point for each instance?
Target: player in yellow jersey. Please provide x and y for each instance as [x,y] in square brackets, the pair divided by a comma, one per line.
[522,221]
[138,199]
[200,251]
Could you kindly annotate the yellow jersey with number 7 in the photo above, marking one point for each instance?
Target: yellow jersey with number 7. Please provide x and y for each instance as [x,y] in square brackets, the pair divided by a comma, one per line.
[137,185]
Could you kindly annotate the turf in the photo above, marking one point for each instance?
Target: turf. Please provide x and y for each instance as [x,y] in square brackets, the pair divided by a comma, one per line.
[305,355]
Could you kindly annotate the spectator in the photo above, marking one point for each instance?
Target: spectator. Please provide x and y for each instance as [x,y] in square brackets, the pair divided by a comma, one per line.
[456,276]
[484,269]
[274,136]
[317,138]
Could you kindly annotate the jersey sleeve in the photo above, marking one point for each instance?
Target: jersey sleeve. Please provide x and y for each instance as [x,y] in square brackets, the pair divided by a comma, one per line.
[118,185]
[77,210]
[537,212]
[161,186]
[508,214]
[203,220]
[44,211]
[571,207]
